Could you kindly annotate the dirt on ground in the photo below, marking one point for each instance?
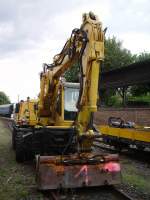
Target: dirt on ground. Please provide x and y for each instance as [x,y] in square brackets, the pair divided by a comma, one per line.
[17,181]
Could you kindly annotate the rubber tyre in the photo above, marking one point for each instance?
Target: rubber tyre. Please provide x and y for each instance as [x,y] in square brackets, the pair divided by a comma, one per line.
[20,152]
[14,133]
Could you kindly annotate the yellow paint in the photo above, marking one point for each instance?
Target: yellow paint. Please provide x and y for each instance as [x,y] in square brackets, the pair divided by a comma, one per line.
[27,112]
[128,133]
[50,104]
[52,88]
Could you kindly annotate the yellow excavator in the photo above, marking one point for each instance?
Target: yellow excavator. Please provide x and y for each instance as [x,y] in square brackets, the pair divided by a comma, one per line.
[63,137]
[24,119]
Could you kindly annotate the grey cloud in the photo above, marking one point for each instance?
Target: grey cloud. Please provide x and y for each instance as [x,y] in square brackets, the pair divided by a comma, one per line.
[7,11]
[31,21]
[130,15]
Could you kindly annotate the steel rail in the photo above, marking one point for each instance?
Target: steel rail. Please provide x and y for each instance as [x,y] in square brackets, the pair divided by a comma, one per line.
[121,194]
[116,193]
[131,153]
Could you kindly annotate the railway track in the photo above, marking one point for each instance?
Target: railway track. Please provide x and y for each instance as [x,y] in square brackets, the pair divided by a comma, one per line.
[134,154]
[108,193]
[104,193]
[130,152]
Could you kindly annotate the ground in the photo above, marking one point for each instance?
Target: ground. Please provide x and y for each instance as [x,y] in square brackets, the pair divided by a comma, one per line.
[136,177]
[17,181]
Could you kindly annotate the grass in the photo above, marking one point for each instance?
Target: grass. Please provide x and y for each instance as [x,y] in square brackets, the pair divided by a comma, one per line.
[137,181]
[116,100]
[136,177]
[16,180]
[145,99]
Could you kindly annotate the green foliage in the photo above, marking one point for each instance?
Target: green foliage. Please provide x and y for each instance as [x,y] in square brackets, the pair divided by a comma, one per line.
[4,99]
[72,75]
[139,90]
[115,55]
[143,89]
[135,176]
[144,98]
[114,101]
[142,56]
[105,95]
[16,180]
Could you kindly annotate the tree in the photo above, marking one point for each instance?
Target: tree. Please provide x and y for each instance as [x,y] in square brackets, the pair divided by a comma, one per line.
[138,90]
[115,55]
[72,75]
[4,99]
[142,56]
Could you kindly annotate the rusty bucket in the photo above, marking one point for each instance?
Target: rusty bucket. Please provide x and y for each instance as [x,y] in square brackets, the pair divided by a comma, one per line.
[75,171]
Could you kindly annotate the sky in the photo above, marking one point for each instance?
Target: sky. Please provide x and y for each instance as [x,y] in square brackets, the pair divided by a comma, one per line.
[33,31]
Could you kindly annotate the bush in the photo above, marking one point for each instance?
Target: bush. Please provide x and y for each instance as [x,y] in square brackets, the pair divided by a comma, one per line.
[114,101]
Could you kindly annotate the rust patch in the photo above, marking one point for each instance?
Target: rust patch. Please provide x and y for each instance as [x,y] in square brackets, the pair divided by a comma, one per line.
[74,171]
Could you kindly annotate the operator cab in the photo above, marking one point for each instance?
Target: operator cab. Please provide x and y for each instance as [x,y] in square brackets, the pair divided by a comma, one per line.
[71,94]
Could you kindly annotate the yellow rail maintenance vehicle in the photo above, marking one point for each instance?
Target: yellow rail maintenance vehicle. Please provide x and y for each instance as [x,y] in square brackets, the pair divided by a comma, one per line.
[122,134]
[63,137]
[25,118]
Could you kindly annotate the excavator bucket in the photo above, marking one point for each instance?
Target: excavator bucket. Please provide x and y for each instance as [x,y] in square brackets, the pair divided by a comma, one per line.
[75,171]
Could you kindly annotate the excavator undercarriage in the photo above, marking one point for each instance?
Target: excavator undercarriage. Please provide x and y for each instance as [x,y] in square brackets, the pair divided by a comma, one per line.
[44,141]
